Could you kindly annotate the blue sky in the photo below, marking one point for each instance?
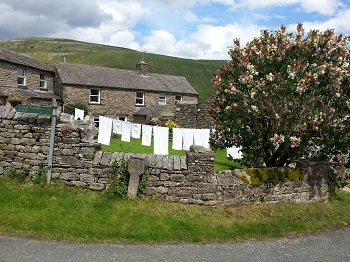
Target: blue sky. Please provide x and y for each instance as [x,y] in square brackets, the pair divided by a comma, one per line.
[197,29]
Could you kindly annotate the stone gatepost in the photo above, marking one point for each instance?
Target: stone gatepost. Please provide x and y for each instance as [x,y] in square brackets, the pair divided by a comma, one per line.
[136,168]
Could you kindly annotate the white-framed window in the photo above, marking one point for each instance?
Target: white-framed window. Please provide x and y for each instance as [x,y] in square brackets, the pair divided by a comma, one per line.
[122,118]
[21,77]
[140,98]
[162,99]
[43,81]
[95,95]
[178,98]
[96,120]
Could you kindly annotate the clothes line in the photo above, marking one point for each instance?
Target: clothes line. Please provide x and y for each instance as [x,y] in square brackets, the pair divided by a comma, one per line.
[182,138]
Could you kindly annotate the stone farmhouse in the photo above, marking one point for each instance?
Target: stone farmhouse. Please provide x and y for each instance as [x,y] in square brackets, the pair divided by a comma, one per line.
[25,80]
[132,95]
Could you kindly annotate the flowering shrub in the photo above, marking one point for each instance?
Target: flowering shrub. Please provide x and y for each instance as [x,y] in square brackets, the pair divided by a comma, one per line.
[66,130]
[284,96]
[171,124]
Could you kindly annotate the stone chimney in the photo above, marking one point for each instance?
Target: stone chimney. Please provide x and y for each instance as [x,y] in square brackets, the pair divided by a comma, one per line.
[142,68]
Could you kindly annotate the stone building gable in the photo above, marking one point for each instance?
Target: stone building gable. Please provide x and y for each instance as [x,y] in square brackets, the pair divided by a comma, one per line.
[23,60]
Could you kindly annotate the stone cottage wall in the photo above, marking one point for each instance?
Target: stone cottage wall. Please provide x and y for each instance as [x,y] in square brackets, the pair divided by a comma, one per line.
[193,115]
[78,161]
[204,119]
[186,114]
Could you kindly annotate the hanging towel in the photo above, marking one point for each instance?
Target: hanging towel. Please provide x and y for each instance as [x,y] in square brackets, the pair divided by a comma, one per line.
[187,138]
[146,135]
[161,140]
[126,131]
[177,138]
[78,114]
[235,152]
[201,137]
[104,130]
[136,131]
[117,126]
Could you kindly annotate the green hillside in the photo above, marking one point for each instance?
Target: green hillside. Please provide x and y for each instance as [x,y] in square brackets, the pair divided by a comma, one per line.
[51,51]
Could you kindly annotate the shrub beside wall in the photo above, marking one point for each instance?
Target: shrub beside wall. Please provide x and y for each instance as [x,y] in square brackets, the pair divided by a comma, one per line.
[78,161]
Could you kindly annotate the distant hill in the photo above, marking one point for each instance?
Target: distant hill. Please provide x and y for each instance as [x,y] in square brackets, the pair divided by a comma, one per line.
[51,51]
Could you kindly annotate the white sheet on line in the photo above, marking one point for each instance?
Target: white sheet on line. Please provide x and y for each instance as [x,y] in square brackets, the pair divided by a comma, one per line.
[187,138]
[117,126]
[235,152]
[104,130]
[161,140]
[78,114]
[177,138]
[126,131]
[201,137]
[146,135]
[136,131]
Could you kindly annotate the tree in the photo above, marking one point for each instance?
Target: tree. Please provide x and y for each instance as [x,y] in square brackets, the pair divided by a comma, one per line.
[284,96]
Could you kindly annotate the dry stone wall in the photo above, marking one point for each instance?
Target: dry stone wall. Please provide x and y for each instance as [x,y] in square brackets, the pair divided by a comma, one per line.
[78,161]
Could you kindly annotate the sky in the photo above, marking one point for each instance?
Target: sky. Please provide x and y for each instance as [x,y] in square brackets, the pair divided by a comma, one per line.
[195,29]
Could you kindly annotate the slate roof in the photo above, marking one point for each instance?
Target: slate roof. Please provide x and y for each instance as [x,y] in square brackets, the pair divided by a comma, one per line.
[87,75]
[149,110]
[31,93]
[22,60]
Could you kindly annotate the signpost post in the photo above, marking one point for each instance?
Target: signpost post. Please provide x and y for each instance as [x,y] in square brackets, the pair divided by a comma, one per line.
[50,111]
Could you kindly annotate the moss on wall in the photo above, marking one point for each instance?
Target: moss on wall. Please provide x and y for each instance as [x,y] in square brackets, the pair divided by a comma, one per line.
[272,175]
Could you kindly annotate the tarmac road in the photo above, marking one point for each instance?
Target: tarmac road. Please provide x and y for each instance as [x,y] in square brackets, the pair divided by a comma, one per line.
[327,246]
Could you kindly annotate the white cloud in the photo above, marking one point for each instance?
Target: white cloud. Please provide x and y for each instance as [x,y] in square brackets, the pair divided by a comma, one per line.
[339,23]
[201,29]
[325,7]
[208,42]
[124,39]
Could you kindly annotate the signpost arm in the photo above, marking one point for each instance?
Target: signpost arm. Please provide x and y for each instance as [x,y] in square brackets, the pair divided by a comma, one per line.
[52,141]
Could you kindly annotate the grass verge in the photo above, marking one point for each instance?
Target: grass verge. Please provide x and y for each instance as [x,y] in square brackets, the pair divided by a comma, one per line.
[62,213]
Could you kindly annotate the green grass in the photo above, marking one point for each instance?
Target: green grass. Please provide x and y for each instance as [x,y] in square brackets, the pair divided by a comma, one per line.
[49,50]
[70,214]
[134,146]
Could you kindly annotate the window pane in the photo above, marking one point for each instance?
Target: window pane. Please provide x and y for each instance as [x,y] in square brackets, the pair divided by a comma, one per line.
[139,98]
[178,98]
[94,95]
[94,99]
[20,72]
[95,92]
[162,99]
[42,81]
[20,76]
[97,120]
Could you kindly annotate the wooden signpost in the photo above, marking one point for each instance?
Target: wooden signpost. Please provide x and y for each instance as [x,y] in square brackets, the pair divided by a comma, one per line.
[49,111]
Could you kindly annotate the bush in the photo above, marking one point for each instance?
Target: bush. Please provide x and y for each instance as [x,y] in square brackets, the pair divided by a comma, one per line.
[284,97]
[70,108]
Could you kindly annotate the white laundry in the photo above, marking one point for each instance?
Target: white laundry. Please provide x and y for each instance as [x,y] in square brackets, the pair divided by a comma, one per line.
[126,131]
[136,131]
[117,126]
[187,138]
[104,130]
[201,137]
[235,152]
[78,114]
[146,135]
[177,138]
[161,140]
